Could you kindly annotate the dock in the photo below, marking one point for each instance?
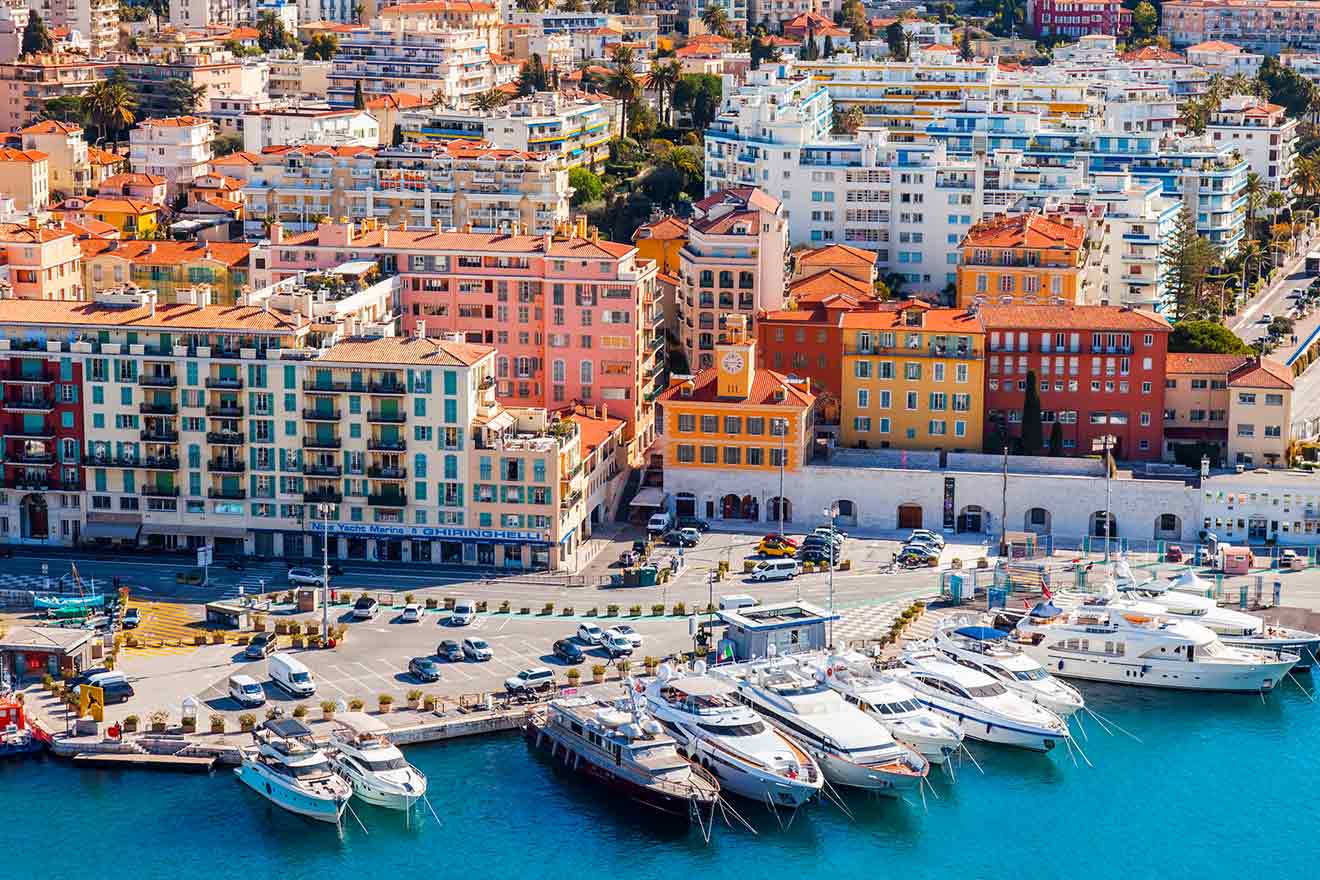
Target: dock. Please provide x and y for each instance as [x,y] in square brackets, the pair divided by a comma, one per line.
[203,763]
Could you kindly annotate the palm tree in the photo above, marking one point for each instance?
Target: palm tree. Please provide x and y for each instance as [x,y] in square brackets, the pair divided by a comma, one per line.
[110,105]
[491,99]
[531,5]
[1240,84]
[664,77]
[570,6]
[1255,193]
[716,19]
[625,87]
[623,56]
[1275,201]
[601,6]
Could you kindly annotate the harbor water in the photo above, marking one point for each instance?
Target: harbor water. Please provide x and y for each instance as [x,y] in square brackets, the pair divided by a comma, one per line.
[1219,786]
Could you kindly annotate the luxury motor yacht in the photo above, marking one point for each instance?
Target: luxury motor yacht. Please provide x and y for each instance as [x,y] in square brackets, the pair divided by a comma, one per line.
[729,740]
[852,748]
[379,774]
[1134,643]
[984,708]
[288,769]
[991,651]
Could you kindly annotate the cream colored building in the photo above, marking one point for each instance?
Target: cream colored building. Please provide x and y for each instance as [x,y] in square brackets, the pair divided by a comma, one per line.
[1234,410]
[25,177]
[66,155]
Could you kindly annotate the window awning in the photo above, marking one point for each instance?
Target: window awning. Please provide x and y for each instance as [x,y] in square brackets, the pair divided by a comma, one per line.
[197,530]
[115,531]
[649,497]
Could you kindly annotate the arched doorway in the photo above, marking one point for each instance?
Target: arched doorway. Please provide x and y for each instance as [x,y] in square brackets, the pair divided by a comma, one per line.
[35,517]
[751,508]
[971,519]
[1037,520]
[685,504]
[1168,527]
[909,516]
[597,513]
[729,506]
[1098,525]
[845,512]
[774,510]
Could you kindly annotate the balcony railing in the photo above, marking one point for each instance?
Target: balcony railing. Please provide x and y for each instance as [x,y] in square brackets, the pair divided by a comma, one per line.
[35,457]
[157,381]
[30,404]
[322,442]
[387,499]
[160,463]
[158,409]
[387,418]
[322,496]
[224,438]
[321,415]
[224,382]
[225,411]
[161,491]
[160,435]
[226,494]
[323,387]
[387,445]
[393,388]
[226,466]
[323,470]
[387,473]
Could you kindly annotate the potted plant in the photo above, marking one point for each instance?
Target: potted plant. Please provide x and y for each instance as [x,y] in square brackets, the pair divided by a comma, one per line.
[568,611]
[199,639]
[298,641]
[650,663]
[48,682]
[356,704]
[217,638]
[574,676]
[625,666]
[282,627]
[294,627]
[635,610]
[658,609]
[611,610]
[482,605]
[300,711]
[548,608]
[415,698]
[246,722]
[429,703]
[432,603]
[408,598]
[327,710]
[449,603]
[217,723]
[504,607]
[259,623]
[158,719]
[524,610]
[131,723]
[598,673]
[593,611]
[384,702]
[190,724]
[680,609]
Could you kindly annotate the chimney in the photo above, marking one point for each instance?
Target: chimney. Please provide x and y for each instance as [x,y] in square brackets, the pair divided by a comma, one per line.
[467,227]
[581,222]
[438,227]
[420,330]
[276,232]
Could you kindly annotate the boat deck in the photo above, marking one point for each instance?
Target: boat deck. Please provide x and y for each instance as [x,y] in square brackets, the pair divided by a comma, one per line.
[147,762]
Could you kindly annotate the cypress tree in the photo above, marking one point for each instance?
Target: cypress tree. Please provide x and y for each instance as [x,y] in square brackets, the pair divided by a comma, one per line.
[1056,439]
[359,99]
[1032,434]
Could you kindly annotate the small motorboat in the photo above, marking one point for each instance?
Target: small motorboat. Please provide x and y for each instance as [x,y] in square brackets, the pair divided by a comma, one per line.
[362,753]
[16,738]
[287,768]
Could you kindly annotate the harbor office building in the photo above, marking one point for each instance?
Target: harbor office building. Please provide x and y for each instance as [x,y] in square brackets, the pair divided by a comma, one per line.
[258,431]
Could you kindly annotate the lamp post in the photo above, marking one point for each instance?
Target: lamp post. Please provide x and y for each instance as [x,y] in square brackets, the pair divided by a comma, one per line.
[780,426]
[325,570]
[1109,517]
[832,511]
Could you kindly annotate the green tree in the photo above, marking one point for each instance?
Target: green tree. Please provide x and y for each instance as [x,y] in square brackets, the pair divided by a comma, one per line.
[700,95]
[272,34]
[180,97]
[663,78]
[716,19]
[1145,22]
[533,78]
[965,44]
[1285,86]
[322,47]
[1032,435]
[359,99]
[111,106]
[1187,258]
[828,51]
[1255,193]
[1056,438]
[897,43]
[586,185]
[490,100]
[66,108]
[36,38]
[624,86]
[854,19]
[848,121]
[226,143]
[1205,337]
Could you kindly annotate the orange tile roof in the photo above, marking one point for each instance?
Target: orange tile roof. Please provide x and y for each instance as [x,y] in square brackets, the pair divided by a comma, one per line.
[98,156]
[406,350]
[765,383]
[175,121]
[436,6]
[1070,317]
[1215,46]
[222,184]
[667,278]
[934,320]
[133,179]
[91,228]
[665,229]
[315,149]
[52,126]
[115,205]
[700,51]
[1150,53]
[169,253]
[178,317]
[479,242]
[710,38]
[397,100]
[222,204]
[1032,230]
[836,255]
[243,33]
[829,282]
[239,158]
[1261,373]
[9,154]
[594,430]
[749,196]
[23,233]
[1196,362]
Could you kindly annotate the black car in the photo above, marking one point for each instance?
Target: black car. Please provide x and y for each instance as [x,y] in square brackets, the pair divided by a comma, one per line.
[84,676]
[821,541]
[450,650]
[131,619]
[424,669]
[6,551]
[678,539]
[117,691]
[816,554]
[692,522]
[568,651]
[261,645]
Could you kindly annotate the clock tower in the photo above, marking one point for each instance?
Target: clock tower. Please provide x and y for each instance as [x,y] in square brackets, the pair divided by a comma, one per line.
[735,359]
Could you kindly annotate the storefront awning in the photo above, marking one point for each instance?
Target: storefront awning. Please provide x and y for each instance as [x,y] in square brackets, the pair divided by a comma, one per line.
[1208,435]
[648,497]
[115,531]
[195,530]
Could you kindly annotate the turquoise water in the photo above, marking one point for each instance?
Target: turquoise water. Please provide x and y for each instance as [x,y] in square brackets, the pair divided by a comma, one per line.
[1221,786]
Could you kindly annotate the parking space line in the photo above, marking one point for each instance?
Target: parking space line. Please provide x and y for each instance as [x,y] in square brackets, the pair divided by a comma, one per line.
[458,668]
[331,684]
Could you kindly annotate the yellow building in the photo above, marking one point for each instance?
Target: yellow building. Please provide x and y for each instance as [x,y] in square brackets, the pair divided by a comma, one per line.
[661,241]
[1023,259]
[166,266]
[913,379]
[133,218]
[734,418]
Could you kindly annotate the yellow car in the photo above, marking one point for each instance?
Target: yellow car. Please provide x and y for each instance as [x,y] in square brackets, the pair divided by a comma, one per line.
[774,548]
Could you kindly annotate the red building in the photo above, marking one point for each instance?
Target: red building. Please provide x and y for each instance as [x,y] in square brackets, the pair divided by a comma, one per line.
[42,426]
[1100,371]
[1077,18]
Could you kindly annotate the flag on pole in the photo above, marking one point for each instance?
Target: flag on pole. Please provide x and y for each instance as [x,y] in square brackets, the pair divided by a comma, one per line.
[726,652]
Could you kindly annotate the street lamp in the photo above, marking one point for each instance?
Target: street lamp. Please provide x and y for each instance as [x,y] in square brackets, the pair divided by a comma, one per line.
[325,569]
[780,427]
[832,512]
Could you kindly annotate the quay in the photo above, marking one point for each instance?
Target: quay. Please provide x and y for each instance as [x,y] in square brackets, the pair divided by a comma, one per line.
[148,761]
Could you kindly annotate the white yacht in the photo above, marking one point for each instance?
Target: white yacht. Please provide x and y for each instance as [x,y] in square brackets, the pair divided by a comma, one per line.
[893,704]
[288,769]
[982,707]
[1133,643]
[852,748]
[990,650]
[710,726]
[362,753]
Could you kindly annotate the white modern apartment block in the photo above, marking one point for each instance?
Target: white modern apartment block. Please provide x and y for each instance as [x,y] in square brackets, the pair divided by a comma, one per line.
[192,15]
[341,11]
[177,148]
[297,77]
[96,20]
[1224,58]
[297,125]
[590,32]
[285,11]
[1137,219]
[1263,133]
[452,66]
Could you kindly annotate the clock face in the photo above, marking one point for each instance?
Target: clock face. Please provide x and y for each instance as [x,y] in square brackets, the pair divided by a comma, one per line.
[733,362]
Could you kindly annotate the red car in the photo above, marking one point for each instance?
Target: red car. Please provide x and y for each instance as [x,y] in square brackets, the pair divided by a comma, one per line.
[776,538]
[1173,553]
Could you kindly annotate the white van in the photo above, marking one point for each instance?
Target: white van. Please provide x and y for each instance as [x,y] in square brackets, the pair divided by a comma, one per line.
[775,570]
[736,601]
[659,523]
[245,691]
[289,673]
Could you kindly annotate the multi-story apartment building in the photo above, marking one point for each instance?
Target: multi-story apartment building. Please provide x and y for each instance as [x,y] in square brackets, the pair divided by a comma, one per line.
[198,15]
[29,83]
[1077,18]
[1137,217]
[662,240]
[451,65]
[25,178]
[1231,409]
[340,127]
[14,16]
[1224,58]
[912,378]
[1264,25]
[173,269]
[732,264]
[574,317]
[1024,259]
[1262,132]
[1100,372]
[216,72]
[96,20]
[590,32]
[735,425]
[44,260]
[441,15]
[458,184]
[177,148]
[66,155]
[576,130]
[292,76]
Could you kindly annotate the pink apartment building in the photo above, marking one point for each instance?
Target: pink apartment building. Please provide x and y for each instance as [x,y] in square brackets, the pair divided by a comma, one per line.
[45,261]
[573,317]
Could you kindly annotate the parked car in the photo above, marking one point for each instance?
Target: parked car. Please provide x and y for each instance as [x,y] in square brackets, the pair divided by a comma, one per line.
[682,538]
[659,523]
[450,650]
[304,577]
[625,631]
[424,669]
[616,645]
[529,680]
[132,617]
[774,570]
[412,613]
[589,633]
[923,541]
[915,555]
[1173,553]
[465,611]
[816,554]
[782,539]
[826,531]
[775,548]
[365,608]
[114,686]
[927,535]
[821,541]
[736,601]
[693,522]
[568,651]
[1288,558]
[477,649]
[244,690]
[261,645]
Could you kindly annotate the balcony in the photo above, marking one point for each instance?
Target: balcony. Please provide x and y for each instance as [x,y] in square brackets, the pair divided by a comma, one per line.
[28,378]
[29,483]
[157,381]
[158,409]
[160,463]
[225,411]
[569,501]
[160,435]
[226,466]
[323,470]
[396,389]
[232,384]
[323,387]
[387,473]
[224,438]
[322,442]
[387,499]
[161,491]
[321,415]
[29,404]
[323,496]
[223,494]
[376,445]
[34,458]
[387,418]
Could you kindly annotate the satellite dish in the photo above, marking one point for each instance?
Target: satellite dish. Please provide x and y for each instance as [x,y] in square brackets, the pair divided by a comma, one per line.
[699,667]
[665,672]
[771,650]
